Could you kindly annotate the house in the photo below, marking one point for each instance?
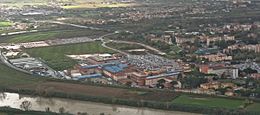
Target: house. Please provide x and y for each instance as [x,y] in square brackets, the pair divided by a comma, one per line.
[163,38]
[211,85]
[217,85]
[220,70]
[256,76]
[216,57]
[153,80]
[229,93]
[226,71]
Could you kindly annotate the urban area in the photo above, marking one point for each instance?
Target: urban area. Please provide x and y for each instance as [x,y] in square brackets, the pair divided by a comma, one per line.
[189,50]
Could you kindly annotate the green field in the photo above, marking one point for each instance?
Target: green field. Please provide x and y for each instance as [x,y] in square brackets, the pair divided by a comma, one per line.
[17,80]
[52,35]
[5,24]
[254,107]
[10,77]
[208,102]
[56,58]
[124,46]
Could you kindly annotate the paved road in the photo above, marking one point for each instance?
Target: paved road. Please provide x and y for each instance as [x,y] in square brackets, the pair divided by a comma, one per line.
[104,43]
[116,50]
[74,25]
[127,42]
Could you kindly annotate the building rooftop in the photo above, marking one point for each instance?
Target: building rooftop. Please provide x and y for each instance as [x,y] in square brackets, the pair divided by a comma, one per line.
[116,68]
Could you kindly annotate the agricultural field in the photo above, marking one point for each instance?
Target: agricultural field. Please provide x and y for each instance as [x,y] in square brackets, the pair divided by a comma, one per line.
[57,34]
[55,56]
[5,23]
[208,102]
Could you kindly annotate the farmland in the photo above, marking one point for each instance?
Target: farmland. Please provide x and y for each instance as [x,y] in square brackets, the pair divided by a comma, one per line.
[208,102]
[55,56]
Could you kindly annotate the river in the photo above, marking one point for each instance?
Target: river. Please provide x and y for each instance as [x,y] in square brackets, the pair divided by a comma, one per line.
[14,100]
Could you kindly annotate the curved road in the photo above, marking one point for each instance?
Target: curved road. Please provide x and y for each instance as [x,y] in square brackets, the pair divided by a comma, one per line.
[101,38]
[4,60]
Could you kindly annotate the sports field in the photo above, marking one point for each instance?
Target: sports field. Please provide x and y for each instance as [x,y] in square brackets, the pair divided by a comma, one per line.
[208,102]
[55,56]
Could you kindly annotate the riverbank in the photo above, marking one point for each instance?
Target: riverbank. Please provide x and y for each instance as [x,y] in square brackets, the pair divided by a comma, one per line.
[75,106]
[13,111]
[14,81]
[138,103]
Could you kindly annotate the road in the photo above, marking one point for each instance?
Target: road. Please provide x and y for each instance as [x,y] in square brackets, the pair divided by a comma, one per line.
[69,24]
[116,50]
[102,37]
[104,42]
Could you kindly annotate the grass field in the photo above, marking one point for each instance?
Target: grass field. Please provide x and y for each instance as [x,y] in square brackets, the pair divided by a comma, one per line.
[208,102]
[10,77]
[124,46]
[17,80]
[254,107]
[5,23]
[56,58]
[58,34]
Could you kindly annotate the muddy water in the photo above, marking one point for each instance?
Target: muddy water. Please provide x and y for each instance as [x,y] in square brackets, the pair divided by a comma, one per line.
[14,100]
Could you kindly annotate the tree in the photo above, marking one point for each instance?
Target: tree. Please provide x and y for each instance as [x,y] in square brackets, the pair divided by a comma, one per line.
[249,71]
[193,81]
[47,109]
[26,105]
[161,81]
[179,77]
[62,110]
[174,83]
